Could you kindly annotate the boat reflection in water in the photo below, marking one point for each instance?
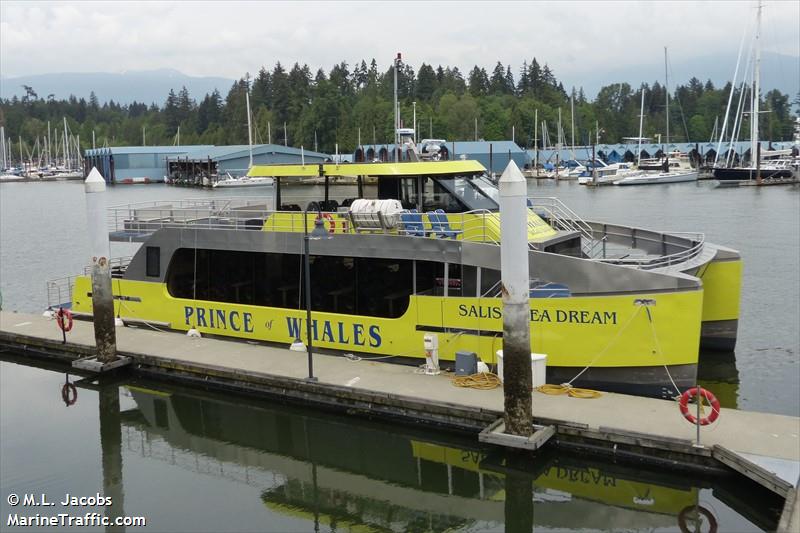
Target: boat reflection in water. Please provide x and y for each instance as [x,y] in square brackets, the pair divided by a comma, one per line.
[344,474]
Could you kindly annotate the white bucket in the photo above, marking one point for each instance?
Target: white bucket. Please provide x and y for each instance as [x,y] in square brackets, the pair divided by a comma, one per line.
[538,367]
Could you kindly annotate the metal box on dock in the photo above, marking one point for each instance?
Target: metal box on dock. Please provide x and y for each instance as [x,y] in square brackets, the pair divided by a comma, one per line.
[466,363]
[538,367]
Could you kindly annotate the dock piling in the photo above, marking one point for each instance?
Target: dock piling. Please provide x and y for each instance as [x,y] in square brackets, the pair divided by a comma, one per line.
[102,296]
[515,288]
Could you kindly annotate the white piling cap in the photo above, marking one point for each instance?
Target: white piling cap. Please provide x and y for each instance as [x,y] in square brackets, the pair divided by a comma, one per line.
[94,182]
[512,182]
[512,173]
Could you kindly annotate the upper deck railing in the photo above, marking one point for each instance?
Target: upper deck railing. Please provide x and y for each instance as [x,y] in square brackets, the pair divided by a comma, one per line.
[136,221]
[610,243]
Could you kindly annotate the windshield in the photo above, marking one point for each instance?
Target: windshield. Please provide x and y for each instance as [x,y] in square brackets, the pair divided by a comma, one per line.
[474,192]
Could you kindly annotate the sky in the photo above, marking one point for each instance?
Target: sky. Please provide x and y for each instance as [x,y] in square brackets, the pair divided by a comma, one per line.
[230,38]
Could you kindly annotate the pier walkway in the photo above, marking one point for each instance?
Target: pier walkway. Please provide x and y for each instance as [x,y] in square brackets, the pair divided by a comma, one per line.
[765,447]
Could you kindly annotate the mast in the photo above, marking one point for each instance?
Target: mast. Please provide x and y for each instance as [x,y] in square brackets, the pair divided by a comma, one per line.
[666,86]
[536,138]
[641,123]
[3,139]
[49,146]
[65,145]
[756,94]
[572,120]
[396,114]
[249,128]
[558,141]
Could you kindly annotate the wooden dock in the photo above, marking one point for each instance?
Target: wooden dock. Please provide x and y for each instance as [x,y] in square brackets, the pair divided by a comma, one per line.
[764,447]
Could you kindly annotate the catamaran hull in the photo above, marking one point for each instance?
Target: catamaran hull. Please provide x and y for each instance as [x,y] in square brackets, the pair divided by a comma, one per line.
[719,335]
[652,381]
[625,340]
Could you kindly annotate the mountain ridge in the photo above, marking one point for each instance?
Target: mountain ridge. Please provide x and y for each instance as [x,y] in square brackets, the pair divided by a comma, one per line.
[779,71]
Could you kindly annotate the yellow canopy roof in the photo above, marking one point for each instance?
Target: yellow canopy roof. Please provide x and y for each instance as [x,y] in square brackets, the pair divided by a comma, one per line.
[422,168]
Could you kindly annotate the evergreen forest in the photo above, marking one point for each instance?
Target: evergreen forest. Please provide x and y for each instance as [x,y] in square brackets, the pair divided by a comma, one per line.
[322,109]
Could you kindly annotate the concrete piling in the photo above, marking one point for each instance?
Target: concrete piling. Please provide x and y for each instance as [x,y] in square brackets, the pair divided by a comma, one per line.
[516,307]
[102,295]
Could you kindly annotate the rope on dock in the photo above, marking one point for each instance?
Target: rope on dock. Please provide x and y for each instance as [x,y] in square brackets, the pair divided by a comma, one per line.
[569,390]
[481,380]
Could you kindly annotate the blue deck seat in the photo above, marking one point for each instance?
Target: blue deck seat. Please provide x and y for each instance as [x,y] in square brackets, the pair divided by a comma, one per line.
[440,225]
[412,223]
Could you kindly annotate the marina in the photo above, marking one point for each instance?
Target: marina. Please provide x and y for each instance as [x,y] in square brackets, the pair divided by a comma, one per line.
[331,292]
[165,356]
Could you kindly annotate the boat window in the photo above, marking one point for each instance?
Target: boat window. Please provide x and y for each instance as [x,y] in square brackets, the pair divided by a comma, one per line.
[403,189]
[345,285]
[458,194]
[153,261]
[488,188]
[431,279]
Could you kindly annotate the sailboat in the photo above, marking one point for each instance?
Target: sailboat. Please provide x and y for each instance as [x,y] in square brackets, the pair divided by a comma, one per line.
[755,170]
[245,181]
[676,170]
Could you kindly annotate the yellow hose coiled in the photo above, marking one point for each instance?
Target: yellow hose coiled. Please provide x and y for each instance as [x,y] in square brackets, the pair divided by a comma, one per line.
[481,380]
[566,388]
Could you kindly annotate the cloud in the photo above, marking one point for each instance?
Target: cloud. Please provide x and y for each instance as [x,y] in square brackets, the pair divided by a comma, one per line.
[231,38]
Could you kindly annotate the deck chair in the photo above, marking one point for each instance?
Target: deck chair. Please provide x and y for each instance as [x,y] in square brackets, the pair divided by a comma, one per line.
[440,225]
[412,223]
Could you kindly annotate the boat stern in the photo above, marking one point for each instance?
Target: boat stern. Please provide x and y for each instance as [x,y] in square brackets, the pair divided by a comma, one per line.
[722,287]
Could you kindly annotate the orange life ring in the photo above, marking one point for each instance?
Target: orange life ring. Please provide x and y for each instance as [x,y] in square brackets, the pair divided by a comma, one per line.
[64,319]
[330,219]
[69,393]
[684,515]
[691,393]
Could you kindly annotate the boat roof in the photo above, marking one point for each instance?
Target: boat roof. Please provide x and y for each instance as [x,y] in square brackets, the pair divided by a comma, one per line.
[413,168]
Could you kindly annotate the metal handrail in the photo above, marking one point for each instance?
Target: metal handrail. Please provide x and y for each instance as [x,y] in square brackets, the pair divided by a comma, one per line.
[59,291]
[241,214]
[662,260]
[560,215]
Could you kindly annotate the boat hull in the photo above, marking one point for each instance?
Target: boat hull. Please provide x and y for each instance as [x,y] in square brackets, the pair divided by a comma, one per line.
[656,179]
[600,332]
[747,174]
[652,381]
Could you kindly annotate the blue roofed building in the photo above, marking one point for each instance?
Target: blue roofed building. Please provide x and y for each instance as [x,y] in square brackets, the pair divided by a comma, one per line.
[147,164]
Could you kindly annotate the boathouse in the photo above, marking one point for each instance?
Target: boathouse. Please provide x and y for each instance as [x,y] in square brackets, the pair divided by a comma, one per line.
[149,164]
[133,164]
[219,161]
[615,153]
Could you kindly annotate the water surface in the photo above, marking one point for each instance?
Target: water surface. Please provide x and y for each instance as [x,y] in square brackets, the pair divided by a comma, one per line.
[190,460]
[43,226]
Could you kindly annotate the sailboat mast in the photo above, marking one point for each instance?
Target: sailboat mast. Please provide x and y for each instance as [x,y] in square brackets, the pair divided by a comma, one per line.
[641,123]
[249,128]
[666,86]
[756,94]
[396,114]
[3,139]
[536,137]
[66,165]
[572,120]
